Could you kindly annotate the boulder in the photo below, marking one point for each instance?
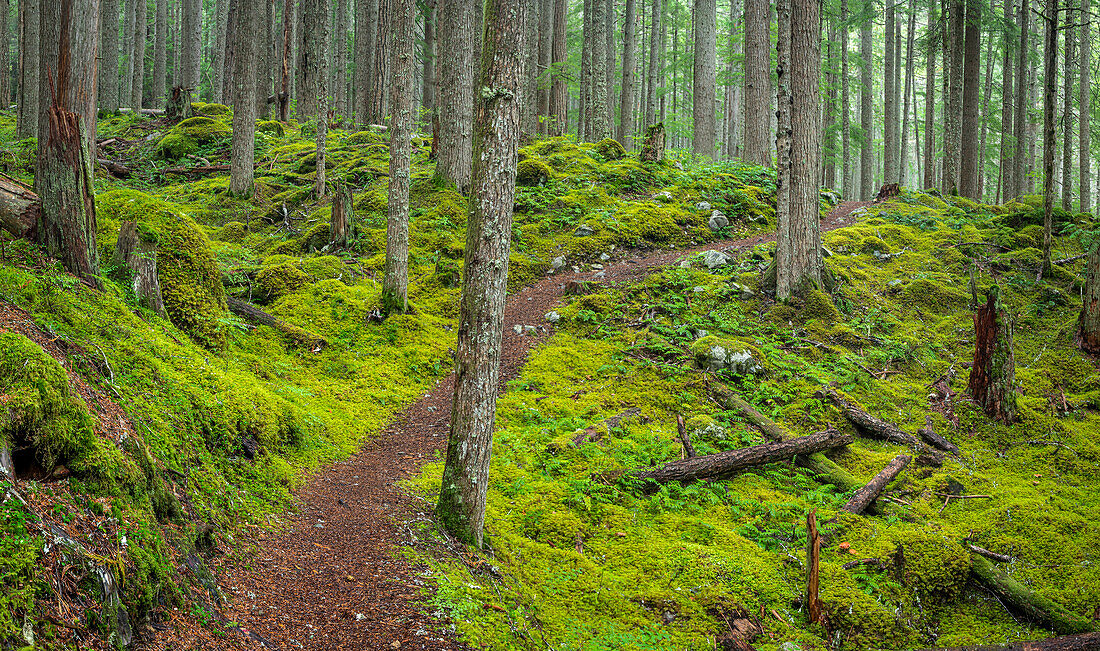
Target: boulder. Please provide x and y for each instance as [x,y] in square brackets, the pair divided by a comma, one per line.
[717,221]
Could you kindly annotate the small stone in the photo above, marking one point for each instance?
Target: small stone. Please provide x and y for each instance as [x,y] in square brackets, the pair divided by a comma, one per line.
[715,259]
[530,330]
[396,644]
[717,221]
[604,257]
[583,231]
[360,617]
[599,275]
[557,263]
[518,329]
[702,206]
[699,334]
[596,265]
[552,317]
[665,196]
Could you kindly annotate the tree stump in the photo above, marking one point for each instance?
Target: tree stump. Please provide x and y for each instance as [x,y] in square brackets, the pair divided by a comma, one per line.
[1088,323]
[992,381]
[653,148]
[136,251]
[340,224]
[19,208]
[179,104]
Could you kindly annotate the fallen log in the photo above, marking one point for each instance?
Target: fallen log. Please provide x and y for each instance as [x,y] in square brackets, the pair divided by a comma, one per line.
[19,208]
[928,433]
[724,464]
[1039,609]
[685,439]
[254,314]
[994,556]
[878,428]
[1085,642]
[825,468]
[199,169]
[869,493]
[115,168]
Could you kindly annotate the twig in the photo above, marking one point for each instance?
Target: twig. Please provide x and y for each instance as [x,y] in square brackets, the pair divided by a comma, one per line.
[952,496]
[1004,558]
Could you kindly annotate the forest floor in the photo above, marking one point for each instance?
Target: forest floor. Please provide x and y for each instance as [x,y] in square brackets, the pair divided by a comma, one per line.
[334,578]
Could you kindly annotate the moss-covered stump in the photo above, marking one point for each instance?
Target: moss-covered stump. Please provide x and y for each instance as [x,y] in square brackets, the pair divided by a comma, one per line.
[992,381]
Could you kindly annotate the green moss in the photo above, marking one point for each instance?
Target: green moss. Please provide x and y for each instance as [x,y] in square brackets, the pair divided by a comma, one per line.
[873,245]
[932,297]
[211,110]
[232,232]
[175,146]
[817,305]
[532,172]
[202,129]
[365,138]
[317,237]
[610,149]
[271,127]
[275,282]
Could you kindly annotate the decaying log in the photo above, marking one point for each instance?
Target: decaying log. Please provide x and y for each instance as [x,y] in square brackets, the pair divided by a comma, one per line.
[994,556]
[254,314]
[653,148]
[140,257]
[19,208]
[116,169]
[198,169]
[928,433]
[992,381]
[1039,609]
[1085,642]
[869,493]
[724,464]
[825,468]
[878,428]
[685,439]
[813,559]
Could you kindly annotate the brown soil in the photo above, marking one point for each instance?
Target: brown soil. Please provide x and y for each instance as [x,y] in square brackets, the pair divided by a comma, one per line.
[334,579]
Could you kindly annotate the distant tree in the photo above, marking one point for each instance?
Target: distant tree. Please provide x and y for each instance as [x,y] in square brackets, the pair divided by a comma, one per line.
[395,282]
[1019,120]
[757,85]
[191,44]
[558,72]
[1008,112]
[1067,111]
[461,506]
[890,100]
[626,104]
[108,56]
[456,91]
[160,53]
[245,56]
[1050,78]
[866,113]
[954,59]
[703,78]
[1084,141]
[137,57]
[366,25]
[26,124]
[546,46]
[930,105]
[5,62]
[845,106]
[969,155]
[317,36]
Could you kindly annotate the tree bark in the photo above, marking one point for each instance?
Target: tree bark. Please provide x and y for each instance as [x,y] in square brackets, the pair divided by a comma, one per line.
[757,84]
[20,208]
[1040,610]
[1008,112]
[64,177]
[626,103]
[865,496]
[558,106]
[382,75]
[251,313]
[890,103]
[845,107]
[477,361]
[342,210]
[191,37]
[179,104]
[654,63]
[1084,642]
[814,608]
[288,45]
[129,31]
[5,55]
[725,464]
[872,426]
[1084,140]
[395,283]
[653,148]
[928,433]
[992,381]
[907,93]
[140,257]
[456,39]
[930,108]
[160,53]
[245,60]
[137,78]
[830,110]
[366,27]
[221,14]
[969,155]
[338,84]
[1050,76]
[866,115]
[108,56]
[703,77]
[1019,120]
[953,123]
[314,58]
[1088,323]
[29,72]
[316,27]
[428,90]
[598,125]
[1067,113]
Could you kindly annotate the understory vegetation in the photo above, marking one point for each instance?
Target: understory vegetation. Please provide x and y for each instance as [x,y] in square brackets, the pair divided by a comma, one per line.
[144,444]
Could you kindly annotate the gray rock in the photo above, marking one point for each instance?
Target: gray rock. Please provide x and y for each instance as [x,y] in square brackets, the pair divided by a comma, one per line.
[743,292]
[604,257]
[702,206]
[552,316]
[715,259]
[583,231]
[664,197]
[600,275]
[789,646]
[518,329]
[738,362]
[717,221]
[557,263]
[832,196]
[699,334]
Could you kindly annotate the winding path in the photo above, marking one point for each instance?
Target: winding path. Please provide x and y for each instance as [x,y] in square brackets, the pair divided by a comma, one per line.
[334,579]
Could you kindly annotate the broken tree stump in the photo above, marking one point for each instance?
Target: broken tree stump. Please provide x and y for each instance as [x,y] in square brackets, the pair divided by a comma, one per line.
[179,104]
[724,464]
[19,208]
[878,428]
[869,493]
[1088,322]
[254,314]
[136,251]
[653,148]
[340,223]
[992,381]
[1037,608]
[813,560]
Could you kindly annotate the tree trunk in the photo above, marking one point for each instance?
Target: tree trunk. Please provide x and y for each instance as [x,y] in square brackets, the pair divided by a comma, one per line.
[876,427]
[160,53]
[137,78]
[664,58]
[724,464]
[952,156]
[529,122]
[865,496]
[140,257]
[456,39]
[342,211]
[246,69]
[1008,112]
[1050,76]
[597,125]
[545,51]
[703,77]
[626,103]
[968,141]
[285,56]
[316,27]
[1040,610]
[992,381]
[366,27]
[461,505]
[5,55]
[29,86]
[395,284]
[191,37]
[798,257]
[814,608]
[338,85]
[314,60]
[64,178]
[559,72]
[845,107]
[890,103]
[1019,121]
[828,131]
[1084,142]
[654,63]
[866,115]
[1067,115]
[609,64]
[757,84]
[907,93]
[1088,323]
[179,104]
[382,75]
[221,14]
[427,92]
[653,148]
[20,208]
[129,27]
[930,108]
[108,56]
[987,94]
[584,93]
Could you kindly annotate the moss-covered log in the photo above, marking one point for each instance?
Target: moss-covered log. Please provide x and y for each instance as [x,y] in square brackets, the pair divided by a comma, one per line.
[1084,642]
[875,427]
[724,464]
[19,208]
[992,381]
[1037,608]
[869,493]
[254,314]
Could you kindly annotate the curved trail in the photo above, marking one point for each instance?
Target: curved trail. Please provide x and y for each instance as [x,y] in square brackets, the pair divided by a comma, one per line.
[332,579]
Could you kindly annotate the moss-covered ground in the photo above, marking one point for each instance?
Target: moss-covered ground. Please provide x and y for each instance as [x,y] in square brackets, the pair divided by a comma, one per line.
[586,561]
[220,419]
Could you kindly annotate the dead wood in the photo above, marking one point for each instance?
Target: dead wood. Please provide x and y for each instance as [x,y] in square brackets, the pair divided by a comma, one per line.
[877,428]
[928,433]
[869,493]
[19,208]
[140,257]
[1037,608]
[813,559]
[116,169]
[254,314]
[1085,642]
[685,439]
[994,556]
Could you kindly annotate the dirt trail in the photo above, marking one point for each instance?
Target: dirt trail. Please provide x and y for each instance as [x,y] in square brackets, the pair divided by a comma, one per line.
[332,580]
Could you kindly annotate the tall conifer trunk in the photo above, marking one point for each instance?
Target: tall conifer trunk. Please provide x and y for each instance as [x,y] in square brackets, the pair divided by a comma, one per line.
[704,134]
[108,56]
[243,96]
[626,103]
[968,137]
[456,40]
[866,115]
[1084,141]
[757,84]
[558,107]
[395,282]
